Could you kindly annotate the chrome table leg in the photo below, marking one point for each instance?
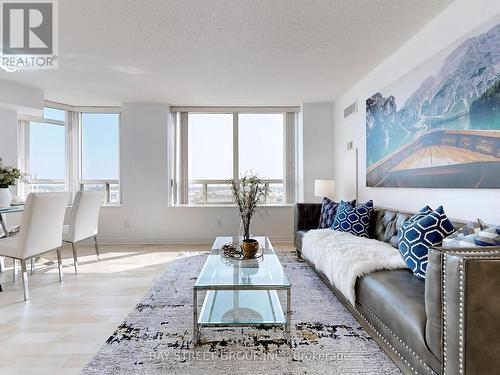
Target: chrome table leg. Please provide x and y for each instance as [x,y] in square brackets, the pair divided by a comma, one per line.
[288,315]
[196,333]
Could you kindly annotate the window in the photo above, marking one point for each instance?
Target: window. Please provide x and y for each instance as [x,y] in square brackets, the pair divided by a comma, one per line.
[100,154]
[213,148]
[210,160]
[46,153]
[261,151]
[210,147]
[51,157]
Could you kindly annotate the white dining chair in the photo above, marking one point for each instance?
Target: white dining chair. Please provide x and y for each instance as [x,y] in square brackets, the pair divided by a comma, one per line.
[84,221]
[41,231]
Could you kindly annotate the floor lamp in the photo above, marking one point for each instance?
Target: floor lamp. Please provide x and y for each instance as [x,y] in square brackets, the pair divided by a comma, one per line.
[350,146]
[357,175]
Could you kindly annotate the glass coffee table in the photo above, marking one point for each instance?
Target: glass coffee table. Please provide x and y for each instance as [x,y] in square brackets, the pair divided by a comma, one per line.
[241,293]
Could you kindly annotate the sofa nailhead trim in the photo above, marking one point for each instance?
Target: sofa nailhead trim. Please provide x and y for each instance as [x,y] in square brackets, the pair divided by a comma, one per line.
[443,288]
[431,371]
[379,334]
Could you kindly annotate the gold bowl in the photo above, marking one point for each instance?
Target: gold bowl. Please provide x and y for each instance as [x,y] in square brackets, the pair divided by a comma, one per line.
[249,247]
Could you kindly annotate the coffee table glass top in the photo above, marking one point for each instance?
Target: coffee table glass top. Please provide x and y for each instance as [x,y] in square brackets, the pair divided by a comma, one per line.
[219,271]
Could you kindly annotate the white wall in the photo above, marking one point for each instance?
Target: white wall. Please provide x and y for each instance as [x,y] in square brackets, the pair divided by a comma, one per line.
[144,215]
[8,136]
[15,99]
[316,158]
[21,98]
[461,17]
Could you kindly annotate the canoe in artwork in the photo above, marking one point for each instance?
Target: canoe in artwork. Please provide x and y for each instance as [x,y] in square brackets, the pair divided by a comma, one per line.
[442,158]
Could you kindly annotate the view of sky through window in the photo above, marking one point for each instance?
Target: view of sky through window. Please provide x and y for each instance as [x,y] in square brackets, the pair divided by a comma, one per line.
[100,146]
[210,146]
[47,151]
[210,154]
[54,114]
[261,145]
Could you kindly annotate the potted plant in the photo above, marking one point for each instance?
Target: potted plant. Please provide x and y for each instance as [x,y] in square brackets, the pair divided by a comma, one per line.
[8,177]
[248,192]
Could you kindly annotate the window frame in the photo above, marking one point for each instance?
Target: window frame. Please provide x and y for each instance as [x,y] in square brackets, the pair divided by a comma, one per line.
[25,136]
[179,181]
[73,162]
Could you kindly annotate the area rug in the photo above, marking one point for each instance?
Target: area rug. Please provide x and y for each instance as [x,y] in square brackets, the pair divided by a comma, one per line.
[156,338]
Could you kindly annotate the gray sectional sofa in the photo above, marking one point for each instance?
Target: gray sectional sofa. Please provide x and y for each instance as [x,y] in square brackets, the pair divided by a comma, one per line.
[448,323]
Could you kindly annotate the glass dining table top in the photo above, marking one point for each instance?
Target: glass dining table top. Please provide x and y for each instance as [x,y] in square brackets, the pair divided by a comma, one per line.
[220,272]
[13,208]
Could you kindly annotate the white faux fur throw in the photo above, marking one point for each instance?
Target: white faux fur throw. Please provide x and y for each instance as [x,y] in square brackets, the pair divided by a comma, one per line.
[343,257]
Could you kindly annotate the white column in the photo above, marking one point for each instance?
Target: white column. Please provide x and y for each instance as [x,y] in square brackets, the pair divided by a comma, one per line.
[315,138]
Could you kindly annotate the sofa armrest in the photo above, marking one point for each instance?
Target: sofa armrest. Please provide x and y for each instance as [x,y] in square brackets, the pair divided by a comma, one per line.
[307,216]
[462,295]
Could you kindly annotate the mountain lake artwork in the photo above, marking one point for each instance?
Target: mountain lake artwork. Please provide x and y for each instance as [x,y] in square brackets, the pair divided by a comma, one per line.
[439,125]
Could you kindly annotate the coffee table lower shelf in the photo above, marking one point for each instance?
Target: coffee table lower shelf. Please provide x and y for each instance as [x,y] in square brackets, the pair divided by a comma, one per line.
[241,308]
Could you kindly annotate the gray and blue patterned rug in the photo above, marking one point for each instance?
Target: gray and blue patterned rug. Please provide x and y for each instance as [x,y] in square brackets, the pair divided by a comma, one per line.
[156,338]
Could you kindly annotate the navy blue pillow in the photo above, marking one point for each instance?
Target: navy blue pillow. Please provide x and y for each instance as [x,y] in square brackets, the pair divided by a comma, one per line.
[355,220]
[328,212]
[420,214]
[415,237]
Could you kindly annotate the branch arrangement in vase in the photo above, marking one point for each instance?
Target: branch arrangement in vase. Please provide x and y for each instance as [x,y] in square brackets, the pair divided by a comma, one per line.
[248,192]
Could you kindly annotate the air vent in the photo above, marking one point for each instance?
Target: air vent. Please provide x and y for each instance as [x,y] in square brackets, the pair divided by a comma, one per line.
[351,109]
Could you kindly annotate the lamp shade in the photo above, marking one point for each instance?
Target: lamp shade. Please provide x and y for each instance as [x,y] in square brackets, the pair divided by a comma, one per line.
[324,188]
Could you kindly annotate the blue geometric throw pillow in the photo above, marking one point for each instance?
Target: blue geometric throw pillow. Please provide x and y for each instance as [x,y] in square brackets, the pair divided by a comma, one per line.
[355,220]
[328,211]
[488,237]
[417,236]
[420,214]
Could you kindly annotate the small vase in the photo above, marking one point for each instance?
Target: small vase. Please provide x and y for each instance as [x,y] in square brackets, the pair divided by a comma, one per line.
[249,247]
[241,232]
[5,198]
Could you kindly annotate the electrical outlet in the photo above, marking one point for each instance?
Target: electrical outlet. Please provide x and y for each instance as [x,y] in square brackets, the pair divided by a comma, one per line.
[127,224]
[350,145]
[219,223]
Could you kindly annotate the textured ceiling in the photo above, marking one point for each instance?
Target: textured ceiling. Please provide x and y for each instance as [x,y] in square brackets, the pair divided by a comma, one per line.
[222,52]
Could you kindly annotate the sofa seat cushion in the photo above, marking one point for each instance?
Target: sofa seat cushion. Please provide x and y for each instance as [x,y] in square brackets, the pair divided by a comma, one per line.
[397,298]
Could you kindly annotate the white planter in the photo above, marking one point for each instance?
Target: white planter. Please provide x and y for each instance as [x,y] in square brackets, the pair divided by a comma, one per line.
[5,198]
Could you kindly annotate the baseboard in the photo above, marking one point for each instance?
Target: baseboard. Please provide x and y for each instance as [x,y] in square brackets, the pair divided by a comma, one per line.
[139,240]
